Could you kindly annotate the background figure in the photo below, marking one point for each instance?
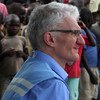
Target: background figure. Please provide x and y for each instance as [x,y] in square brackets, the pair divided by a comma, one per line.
[18,9]
[51,28]
[8,2]
[3,9]
[87,90]
[2,1]
[96,30]
[86,3]
[24,32]
[1,36]
[1,26]
[78,3]
[31,1]
[48,1]
[29,10]
[93,6]
[12,50]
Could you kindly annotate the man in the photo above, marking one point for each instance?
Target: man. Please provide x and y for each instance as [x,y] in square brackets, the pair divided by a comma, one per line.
[55,37]
[96,30]
[88,91]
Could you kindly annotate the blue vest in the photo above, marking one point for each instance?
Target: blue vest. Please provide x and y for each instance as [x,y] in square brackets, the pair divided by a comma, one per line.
[32,72]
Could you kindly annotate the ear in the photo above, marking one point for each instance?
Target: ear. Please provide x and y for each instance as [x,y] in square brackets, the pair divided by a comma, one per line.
[49,39]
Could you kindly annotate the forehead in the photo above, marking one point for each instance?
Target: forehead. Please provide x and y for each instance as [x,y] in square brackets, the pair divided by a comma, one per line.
[12,19]
[70,23]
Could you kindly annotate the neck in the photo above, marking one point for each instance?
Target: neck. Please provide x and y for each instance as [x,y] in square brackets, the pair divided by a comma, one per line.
[52,54]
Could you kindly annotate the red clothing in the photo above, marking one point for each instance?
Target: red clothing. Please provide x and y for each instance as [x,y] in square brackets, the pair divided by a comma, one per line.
[74,70]
[66,1]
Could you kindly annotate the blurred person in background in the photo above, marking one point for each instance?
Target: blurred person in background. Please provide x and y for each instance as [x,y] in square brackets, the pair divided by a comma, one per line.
[87,90]
[3,9]
[13,51]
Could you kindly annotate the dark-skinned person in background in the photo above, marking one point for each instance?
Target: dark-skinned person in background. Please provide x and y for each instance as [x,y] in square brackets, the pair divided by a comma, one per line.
[13,51]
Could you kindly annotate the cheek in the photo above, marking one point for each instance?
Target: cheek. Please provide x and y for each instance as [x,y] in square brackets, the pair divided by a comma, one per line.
[65,48]
[71,52]
[66,44]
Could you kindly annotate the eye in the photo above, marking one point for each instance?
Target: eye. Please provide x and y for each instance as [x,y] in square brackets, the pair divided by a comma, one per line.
[76,34]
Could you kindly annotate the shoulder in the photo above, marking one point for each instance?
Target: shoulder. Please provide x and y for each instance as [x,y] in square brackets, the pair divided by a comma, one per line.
[1,35]
[52,83]
[32,72]
[22,38]
[48,88]
[24,31]
[4,39]
[94,26]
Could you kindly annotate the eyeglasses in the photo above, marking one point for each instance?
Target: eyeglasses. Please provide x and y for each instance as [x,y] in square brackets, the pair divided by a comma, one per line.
[76,32]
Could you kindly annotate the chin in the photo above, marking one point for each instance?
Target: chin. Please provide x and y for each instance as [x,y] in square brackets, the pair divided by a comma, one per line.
[76,57]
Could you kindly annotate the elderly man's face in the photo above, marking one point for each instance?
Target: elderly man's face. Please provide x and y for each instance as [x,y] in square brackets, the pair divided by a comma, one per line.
[68,43]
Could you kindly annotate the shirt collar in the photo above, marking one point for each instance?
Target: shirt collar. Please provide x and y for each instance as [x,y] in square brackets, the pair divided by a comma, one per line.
[51,62]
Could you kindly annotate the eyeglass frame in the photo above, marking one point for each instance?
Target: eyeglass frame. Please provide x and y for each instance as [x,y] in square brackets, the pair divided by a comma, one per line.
[76,32]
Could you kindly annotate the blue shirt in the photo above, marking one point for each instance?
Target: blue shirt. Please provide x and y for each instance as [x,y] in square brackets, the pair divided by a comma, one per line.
[91,53]
[39,68]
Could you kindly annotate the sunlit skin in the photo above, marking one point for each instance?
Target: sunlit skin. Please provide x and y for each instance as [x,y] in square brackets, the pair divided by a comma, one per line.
[64,45]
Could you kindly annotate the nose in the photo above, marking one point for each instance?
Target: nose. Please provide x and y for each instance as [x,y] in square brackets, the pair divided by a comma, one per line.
[80,40]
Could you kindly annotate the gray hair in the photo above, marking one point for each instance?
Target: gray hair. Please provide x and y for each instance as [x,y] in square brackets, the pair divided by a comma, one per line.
[45,18]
